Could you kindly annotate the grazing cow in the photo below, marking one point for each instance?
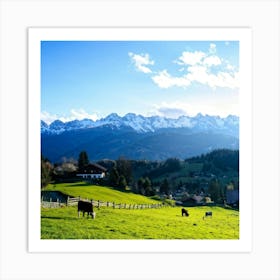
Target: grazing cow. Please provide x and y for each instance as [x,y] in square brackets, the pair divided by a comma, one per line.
[185,212]
[87,207]
[207,214]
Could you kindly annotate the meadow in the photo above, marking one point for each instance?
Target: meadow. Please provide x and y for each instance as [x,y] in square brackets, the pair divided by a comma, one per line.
[89,191]
[161,223]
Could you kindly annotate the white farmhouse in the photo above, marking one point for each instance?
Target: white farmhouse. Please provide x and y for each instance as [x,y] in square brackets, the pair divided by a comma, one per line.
[92,171]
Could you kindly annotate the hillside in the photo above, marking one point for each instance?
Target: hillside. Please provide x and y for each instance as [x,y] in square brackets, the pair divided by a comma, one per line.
[108,142]
[88,191]
[110,223]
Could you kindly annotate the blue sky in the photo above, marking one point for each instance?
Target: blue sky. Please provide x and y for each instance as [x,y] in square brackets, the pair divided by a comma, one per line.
[91,79]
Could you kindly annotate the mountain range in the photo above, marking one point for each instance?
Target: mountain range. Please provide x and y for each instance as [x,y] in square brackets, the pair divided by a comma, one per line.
[138,137]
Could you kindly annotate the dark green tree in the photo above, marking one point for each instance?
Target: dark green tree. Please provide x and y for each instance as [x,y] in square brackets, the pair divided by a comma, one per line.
[140,185]
[215,190]
[114,177]
[83,160]
[122,183]
[172,164]
[164,187]
[148,187]
[124,168]
[46,172]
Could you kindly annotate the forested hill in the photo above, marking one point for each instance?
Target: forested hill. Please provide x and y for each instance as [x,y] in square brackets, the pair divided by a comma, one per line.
[191,173]
[218,160]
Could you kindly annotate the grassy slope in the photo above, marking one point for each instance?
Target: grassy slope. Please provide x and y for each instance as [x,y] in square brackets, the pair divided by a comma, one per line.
[100,193]
[163,223]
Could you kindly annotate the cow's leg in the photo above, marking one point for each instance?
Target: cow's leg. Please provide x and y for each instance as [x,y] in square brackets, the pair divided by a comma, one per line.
[78,214]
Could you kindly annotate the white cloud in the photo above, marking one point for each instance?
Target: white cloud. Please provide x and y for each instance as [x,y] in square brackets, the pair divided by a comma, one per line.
[212,48]
[212,60]
[75,114]
[165,80]
[198,67]
[222,79]
[191,109]
[206,68]
[169,110]
[141,61]
[191,58]
[47,117]
[82,114]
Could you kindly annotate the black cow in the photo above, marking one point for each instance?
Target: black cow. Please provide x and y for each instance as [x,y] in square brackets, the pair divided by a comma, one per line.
[208,214]
[185,212]
[87,207]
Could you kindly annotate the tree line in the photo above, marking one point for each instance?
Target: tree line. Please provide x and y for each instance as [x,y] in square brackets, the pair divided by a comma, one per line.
[152,177]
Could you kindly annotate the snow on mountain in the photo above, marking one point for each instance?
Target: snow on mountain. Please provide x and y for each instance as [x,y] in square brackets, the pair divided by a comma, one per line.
[148,124]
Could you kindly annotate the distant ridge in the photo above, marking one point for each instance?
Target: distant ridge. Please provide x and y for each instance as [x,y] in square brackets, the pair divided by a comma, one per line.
[141,124]
[138,137]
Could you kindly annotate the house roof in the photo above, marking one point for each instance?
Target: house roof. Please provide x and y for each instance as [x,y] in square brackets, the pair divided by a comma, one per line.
[93,168]
[197,198]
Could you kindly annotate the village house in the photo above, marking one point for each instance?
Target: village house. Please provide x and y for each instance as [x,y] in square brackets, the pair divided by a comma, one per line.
[92,171]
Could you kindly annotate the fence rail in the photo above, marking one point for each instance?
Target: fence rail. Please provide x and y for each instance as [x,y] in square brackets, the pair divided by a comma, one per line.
[52,204]
[97,203]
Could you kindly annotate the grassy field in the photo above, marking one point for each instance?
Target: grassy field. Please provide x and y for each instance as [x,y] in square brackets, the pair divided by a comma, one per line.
[88,191]
[161,223]
[164,223]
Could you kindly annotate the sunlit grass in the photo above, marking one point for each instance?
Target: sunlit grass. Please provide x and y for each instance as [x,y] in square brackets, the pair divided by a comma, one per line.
[105,194]
[164,223]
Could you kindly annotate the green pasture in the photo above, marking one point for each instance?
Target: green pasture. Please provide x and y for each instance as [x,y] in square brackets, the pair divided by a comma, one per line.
[88,191]
[162,223]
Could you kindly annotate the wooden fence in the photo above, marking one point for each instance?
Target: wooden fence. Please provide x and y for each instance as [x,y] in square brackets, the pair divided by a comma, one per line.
[52,204]
[97,203]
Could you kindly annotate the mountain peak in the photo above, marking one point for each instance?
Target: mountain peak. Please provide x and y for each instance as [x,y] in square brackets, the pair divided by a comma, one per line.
[143,124]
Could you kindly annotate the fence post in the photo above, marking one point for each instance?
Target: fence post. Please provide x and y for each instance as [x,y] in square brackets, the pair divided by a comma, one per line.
[107,203]
[114,205]
[98,204]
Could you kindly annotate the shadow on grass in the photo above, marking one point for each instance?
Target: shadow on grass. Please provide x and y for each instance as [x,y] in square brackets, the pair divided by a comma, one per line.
[60,218]
[81,185]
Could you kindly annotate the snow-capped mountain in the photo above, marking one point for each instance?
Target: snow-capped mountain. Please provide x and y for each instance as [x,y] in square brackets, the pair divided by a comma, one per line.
[140,124]
[138,137]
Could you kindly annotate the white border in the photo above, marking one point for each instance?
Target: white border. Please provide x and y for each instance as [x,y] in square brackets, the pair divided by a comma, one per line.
[243,35]
[263,260]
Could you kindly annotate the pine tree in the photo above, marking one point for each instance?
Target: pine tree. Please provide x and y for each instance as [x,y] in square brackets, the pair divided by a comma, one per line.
[124,168]
[114,177]
[122,183]
[83,160]
[215,191]
[164,187]
[148,187]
